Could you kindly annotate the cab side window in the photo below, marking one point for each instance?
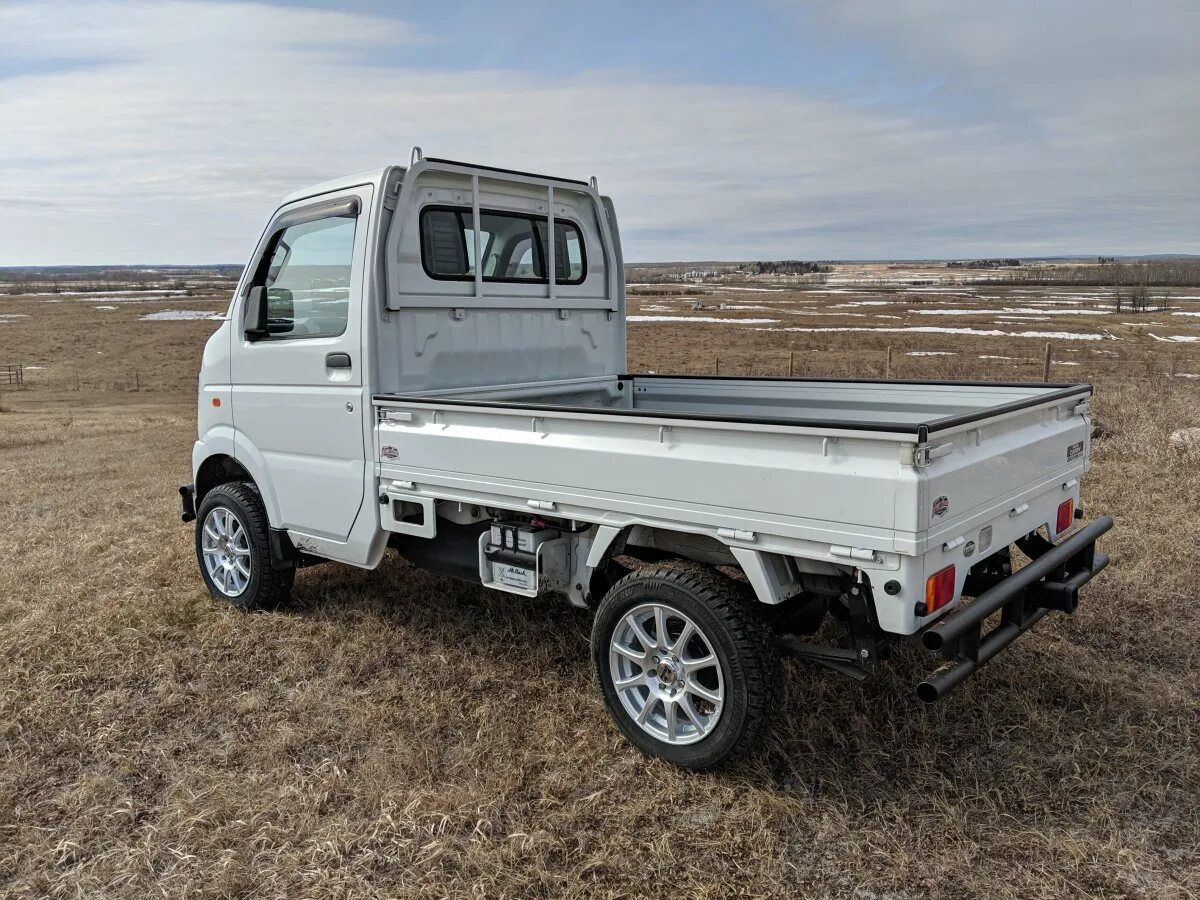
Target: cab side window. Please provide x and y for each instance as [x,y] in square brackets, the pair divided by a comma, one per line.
[307,279]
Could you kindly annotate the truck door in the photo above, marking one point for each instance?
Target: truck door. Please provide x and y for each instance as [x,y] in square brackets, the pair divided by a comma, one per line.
[298,389]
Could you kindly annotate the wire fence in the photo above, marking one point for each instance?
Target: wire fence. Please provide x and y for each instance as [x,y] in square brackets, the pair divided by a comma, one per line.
[1053,363]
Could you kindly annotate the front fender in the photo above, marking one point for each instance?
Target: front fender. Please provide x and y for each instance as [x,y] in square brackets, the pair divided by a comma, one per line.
[252,460]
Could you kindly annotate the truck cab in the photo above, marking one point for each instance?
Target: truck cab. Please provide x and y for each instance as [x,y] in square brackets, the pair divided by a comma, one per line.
[431,359]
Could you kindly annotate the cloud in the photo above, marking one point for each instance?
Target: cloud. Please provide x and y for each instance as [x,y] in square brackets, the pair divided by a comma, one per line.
[169,130]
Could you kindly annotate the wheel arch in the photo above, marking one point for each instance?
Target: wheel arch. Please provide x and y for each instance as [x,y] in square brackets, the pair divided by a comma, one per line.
[232,458]
[773,577]
[219,468]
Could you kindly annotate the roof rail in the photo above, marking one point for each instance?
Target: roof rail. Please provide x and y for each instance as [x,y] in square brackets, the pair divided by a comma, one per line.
[455,162]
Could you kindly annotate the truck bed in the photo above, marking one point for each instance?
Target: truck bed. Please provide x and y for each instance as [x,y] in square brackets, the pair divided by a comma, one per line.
[918,408]
[893,475]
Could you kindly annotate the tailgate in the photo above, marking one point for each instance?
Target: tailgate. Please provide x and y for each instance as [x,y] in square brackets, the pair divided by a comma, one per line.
[1002,467]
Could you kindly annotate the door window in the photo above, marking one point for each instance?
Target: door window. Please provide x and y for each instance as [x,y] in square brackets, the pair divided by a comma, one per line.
[308,279]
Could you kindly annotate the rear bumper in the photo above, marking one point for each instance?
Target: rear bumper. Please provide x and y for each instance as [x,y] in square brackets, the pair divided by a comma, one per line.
[1050,582]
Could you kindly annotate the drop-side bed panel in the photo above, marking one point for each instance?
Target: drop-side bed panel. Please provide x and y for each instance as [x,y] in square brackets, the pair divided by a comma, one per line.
[779,481]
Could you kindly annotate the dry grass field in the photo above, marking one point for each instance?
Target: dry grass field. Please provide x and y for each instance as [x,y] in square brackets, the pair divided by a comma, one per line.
[394,733]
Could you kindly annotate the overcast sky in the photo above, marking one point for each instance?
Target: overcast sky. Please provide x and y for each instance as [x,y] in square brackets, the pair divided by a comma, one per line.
[163,132]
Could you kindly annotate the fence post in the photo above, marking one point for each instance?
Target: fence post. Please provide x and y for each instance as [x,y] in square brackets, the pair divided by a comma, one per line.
[718,358]
[887,372]
[791,364]
[137,381]
[1046,364]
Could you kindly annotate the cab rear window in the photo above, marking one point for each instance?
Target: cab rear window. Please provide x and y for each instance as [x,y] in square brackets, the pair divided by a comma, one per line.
[513,246]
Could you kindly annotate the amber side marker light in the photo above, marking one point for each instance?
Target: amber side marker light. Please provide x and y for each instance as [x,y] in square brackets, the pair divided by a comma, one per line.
[1066,513]
[216,401]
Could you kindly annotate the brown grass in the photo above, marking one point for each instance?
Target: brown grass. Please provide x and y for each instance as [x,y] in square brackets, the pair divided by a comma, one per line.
[395,733]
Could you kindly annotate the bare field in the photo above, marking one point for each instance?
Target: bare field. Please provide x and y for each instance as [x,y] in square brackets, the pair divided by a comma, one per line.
[394,733]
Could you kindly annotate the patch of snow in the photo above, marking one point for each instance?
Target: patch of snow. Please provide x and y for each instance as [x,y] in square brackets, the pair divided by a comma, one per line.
[984,332]
[181,315]
[1012,310]
[704,319]
[1176,338]
[757,290]
[931,353]
[103,307]
[864,303]
[149,292]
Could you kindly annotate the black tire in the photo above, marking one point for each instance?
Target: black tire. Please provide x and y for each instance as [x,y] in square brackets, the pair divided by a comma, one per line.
[268,585]
[719,608]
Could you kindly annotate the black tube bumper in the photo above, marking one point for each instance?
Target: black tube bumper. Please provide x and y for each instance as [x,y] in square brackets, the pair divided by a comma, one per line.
[1050,582]
[187,496]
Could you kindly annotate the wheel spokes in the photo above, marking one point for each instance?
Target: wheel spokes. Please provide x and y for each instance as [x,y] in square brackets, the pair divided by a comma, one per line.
[663,695]
[226,552]
[689,710]
[692,686]
[643,636]
[624,684]
[629,653]
[651,702]
[669,707]
[680,644]
[695,665]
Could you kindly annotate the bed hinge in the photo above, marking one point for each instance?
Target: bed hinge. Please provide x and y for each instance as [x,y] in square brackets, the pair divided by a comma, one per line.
[924,455]
[736,534]
[853,553]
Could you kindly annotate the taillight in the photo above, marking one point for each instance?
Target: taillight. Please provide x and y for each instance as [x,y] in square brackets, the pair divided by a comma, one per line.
[939,589]
[1066,512]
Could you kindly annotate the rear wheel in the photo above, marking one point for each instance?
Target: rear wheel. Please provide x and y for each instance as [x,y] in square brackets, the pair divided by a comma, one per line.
[683,666]
[233,548]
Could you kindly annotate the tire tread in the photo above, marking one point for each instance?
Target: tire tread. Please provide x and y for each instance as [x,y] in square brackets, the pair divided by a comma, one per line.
[729,602]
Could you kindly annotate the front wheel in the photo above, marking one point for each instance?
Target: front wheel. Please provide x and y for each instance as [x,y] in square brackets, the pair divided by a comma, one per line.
[233,547]
[683,666]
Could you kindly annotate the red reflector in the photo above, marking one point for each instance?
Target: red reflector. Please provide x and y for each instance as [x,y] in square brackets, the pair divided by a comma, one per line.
[939,589]
[1066,512]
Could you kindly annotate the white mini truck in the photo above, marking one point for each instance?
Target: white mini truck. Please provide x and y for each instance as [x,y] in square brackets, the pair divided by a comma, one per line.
[431,359]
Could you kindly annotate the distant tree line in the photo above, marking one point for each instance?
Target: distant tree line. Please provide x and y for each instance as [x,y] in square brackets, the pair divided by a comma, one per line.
[678,273]
[982,263]
[785,267]
[1135,273]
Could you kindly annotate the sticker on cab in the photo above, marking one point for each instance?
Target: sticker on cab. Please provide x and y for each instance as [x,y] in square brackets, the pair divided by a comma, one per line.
[388,452]
[941,506]
[1075,451]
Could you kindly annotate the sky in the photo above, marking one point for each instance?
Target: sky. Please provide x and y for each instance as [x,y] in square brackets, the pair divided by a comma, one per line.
[165,132]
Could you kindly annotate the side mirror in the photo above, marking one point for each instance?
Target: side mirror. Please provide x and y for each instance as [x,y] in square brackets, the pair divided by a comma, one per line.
[256,313]
[269,311]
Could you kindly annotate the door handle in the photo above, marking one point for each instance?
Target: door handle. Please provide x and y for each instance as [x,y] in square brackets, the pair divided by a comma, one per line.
[337,360]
